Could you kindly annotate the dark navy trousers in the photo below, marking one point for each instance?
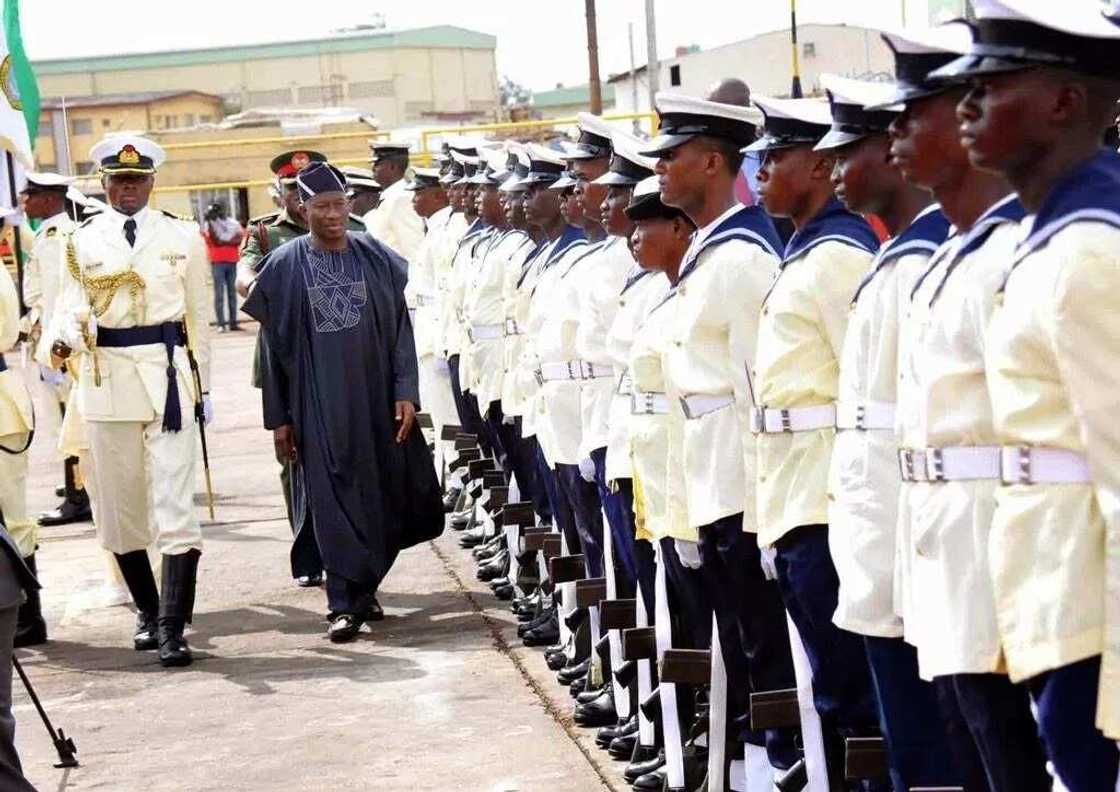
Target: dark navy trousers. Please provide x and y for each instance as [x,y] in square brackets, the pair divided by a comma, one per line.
[618,505]
[587,513]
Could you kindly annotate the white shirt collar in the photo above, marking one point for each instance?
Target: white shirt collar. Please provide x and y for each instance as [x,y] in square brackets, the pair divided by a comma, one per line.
[119,217]
[702,234]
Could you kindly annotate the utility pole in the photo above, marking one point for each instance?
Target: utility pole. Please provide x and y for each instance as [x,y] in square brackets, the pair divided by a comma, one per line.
[593,59]
[796,91]
[634,80]
[653,68]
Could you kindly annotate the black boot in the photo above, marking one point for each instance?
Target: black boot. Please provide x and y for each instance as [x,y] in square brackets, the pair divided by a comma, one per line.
[137,573]
[176,607]
[75,505]
[31,630]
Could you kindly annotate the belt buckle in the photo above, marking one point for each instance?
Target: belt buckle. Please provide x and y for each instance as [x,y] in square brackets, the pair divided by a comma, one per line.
[540,378]
[511,327]
[576,372]
[906,464]
[758,420]
[1023,474]
[935,465]
[648,397]
[861,417]
[787,425]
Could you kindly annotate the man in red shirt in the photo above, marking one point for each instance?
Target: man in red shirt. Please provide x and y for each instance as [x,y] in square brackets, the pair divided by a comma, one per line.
[223,242]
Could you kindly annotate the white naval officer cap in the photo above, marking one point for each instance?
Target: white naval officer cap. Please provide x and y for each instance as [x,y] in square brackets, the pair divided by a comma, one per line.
[917,53]
[848,101]
[423,178]
[361,178]
[1012,35]
[46,180]
[546,165]
[790,122]
[684,117]
[594,140]
[628,166]
[127,153]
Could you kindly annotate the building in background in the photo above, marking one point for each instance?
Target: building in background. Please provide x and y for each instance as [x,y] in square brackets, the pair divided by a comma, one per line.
[69,127]
[765,63]
[425,75]
[565,102]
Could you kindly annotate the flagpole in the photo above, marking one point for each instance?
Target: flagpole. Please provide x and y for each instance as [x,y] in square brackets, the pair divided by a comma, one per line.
[17,243]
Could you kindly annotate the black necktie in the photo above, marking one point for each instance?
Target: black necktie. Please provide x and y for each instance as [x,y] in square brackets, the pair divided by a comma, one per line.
[130,231]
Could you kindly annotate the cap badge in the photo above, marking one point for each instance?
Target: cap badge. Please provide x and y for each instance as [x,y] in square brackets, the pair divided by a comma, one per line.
[129,155]
[300,160]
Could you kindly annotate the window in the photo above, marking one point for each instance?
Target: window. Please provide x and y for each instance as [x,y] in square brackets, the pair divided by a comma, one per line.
[675,75]
[84,167]
[204,119]
[320,94]
[46,125]
[188,120]
[277,97]
[81,126]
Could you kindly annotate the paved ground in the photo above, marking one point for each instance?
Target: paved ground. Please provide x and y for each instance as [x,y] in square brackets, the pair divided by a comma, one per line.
[433,698]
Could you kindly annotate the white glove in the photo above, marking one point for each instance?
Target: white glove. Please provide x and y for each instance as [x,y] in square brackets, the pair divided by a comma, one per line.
[70,330]
[207,410]
[55,379]
[587,470]
[769,562]
[688,552]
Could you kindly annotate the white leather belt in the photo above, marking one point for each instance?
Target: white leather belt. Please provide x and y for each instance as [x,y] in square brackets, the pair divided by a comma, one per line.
[424,300]
[863,416]
[486,332]
[1026,465]
[549,372]
[700,405]
[957,463]
[796,419]
[648,403]
[512,328]
[595,370]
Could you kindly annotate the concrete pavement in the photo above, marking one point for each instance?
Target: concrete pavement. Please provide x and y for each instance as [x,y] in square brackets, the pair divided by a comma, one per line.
[433,698]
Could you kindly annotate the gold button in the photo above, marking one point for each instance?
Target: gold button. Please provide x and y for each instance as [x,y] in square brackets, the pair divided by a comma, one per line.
[831,498]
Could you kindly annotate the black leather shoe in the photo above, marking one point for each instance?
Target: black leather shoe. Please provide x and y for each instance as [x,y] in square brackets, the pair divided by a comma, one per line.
[556,660]
[652,782]
[543,635]
[640,753]
[622,747]
[577,686]
[173,649]
[636,770]
[309,581]
[450,499]
[494,569]
[541,619]
[795,779]
[375,612]
[609,734]
[145,638]
[590,695]
[74,509]
[599,712]
[571,673]
[504,593]
[490,548]
[176,607]
[473,538]
[344,628]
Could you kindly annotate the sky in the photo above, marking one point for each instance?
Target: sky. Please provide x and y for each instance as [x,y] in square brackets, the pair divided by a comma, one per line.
[540,44]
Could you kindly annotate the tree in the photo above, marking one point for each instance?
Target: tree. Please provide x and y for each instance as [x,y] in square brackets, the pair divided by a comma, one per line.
[512,94]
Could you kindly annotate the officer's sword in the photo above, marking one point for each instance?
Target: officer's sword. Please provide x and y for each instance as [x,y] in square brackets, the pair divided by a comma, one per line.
[200,417]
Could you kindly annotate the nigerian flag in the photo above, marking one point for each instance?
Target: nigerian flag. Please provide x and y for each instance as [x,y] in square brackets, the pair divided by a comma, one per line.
[19,111]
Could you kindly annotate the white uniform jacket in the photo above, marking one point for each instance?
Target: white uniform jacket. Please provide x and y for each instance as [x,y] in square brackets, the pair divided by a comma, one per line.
[394,221]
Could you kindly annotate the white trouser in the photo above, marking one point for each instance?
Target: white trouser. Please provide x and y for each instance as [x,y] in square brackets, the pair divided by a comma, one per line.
[670,721]
[646,734]
[812,734]
[135,464]
[614,641]
[435,392]
[13,494]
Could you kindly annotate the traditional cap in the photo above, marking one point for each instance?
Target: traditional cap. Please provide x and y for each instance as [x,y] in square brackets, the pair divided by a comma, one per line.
[288,164]
[684,117]
[791,122]
[42,180]
[389,148]
[920,51]
[847,101]
[545,165]
[360,179]
[319,178]
[628,167]
[1011,35]
[646,203]
[127,154]
[423,178]
[594,138]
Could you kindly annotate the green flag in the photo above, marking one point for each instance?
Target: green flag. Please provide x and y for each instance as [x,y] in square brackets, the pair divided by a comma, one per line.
[19,112]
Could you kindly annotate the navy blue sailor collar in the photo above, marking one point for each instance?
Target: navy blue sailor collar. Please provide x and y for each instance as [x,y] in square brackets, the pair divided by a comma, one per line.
[834,223]
[571,237]
[475,229]
[749,223]
[1090,192]
[924,235]
[1006,210]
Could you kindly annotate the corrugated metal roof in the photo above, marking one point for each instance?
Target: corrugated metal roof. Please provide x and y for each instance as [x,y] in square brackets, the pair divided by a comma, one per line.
[435,37]
[131,98]
[577,94]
